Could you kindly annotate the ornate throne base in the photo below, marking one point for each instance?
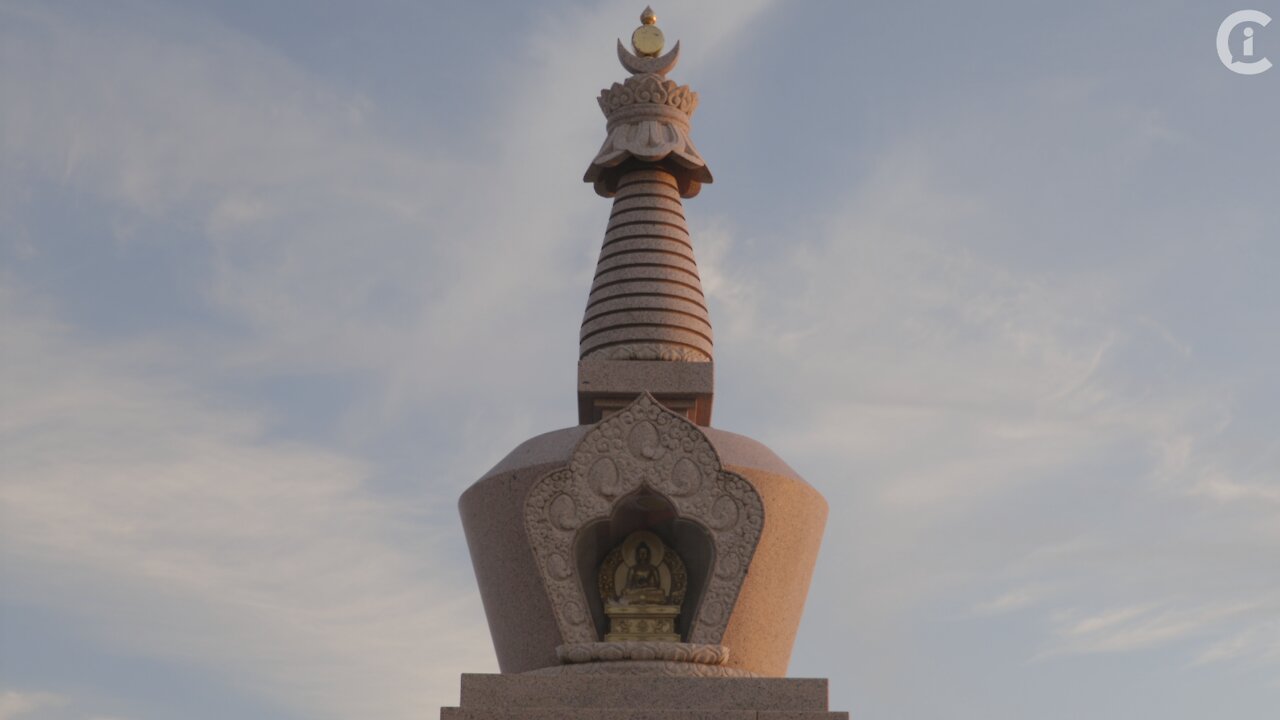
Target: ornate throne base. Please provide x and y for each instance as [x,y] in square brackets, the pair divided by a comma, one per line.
[645,697]
[642,623]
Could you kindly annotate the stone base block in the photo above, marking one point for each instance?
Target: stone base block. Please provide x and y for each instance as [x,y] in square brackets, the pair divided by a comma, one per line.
[597,714]
[570,697]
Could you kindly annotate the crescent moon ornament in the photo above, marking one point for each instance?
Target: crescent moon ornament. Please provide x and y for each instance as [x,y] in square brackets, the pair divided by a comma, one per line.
[647,41]
[638,65]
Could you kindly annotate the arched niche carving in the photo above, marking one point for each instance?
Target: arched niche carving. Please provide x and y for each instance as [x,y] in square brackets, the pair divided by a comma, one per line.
[644,509]
[643,448]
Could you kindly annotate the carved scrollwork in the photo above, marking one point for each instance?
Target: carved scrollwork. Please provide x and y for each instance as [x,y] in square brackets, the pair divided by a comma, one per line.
[663,668]
[651,351]
[603,477]
[621,651]
[648,89]
[686,478]
[648,120]
[558,567]
[562,512]
[643,441]
[644,445]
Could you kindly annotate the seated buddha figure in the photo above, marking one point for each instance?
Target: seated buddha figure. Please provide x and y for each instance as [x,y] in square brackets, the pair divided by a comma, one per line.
[644,584]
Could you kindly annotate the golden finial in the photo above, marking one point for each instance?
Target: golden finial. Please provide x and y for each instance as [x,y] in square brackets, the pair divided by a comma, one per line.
[647,39]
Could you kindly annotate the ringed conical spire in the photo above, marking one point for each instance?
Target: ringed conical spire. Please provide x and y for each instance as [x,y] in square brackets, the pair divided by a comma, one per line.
[646,327]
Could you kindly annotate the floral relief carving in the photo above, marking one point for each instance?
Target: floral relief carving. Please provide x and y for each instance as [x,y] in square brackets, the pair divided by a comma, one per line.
[632,650]
[648,88]
[643,445]
[647,118]
[651,351]
[664,668]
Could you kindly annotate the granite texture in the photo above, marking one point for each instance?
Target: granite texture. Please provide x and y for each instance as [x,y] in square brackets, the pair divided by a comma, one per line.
[521,697]
[649,668]
[542,522]
[643,450]
[642,650]
[645,327]
[653,693]
[647,121]
[765,618]
[632,714]
[632,377]
[606,386]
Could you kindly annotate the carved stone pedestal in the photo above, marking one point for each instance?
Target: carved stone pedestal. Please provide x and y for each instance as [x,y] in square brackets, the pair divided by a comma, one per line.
[586,697]
[642,622]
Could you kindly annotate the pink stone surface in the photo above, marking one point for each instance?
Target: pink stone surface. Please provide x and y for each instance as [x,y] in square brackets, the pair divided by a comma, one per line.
[630,714]
[517,697]
[764,621]
[646,318]
[539,522]
[646,244]
[762,628]
[655,693]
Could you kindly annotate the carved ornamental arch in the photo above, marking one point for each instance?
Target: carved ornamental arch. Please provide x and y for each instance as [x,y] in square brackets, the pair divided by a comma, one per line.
[643,445]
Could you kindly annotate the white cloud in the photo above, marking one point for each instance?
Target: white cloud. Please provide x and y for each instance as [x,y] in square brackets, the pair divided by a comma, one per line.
[170,524]
[978,422]
[1010,601]
[1260,642]
[15,705]
[1136,627]
[1224,489]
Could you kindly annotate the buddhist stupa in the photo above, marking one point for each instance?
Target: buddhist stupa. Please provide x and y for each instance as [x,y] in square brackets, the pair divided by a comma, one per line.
[643,563]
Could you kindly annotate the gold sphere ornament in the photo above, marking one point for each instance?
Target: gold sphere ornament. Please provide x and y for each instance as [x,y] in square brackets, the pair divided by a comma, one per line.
[647,39]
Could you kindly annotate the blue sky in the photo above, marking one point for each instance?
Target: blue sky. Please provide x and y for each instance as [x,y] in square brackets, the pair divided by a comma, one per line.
[279,280]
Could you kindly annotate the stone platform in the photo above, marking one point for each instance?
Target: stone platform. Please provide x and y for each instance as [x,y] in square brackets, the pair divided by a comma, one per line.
[584,697]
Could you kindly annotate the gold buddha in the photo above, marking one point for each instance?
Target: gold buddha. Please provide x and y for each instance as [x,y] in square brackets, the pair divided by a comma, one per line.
[642,583]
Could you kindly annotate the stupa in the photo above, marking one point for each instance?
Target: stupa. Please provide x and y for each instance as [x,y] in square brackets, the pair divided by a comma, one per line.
[643,563]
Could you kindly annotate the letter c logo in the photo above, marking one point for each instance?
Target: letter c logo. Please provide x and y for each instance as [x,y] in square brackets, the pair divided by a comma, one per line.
[1233,62]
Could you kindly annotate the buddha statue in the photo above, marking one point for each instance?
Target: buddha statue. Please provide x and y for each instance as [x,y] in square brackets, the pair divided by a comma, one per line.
[642,583]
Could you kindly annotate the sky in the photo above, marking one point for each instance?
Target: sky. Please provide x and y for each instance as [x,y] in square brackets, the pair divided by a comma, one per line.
[279,280]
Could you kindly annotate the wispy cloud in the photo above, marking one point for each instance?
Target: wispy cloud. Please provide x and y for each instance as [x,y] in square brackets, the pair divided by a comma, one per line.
[202,542]
[15,705]
[985,422]
[1260,642]
[1009,602]
[1131,628]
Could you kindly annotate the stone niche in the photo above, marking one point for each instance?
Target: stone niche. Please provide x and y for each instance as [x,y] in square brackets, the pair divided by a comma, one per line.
[643,512]
[643,456]
[543,521]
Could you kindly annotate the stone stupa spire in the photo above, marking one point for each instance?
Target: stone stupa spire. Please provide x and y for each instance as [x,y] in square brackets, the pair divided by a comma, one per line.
[643,563]
[646,326]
